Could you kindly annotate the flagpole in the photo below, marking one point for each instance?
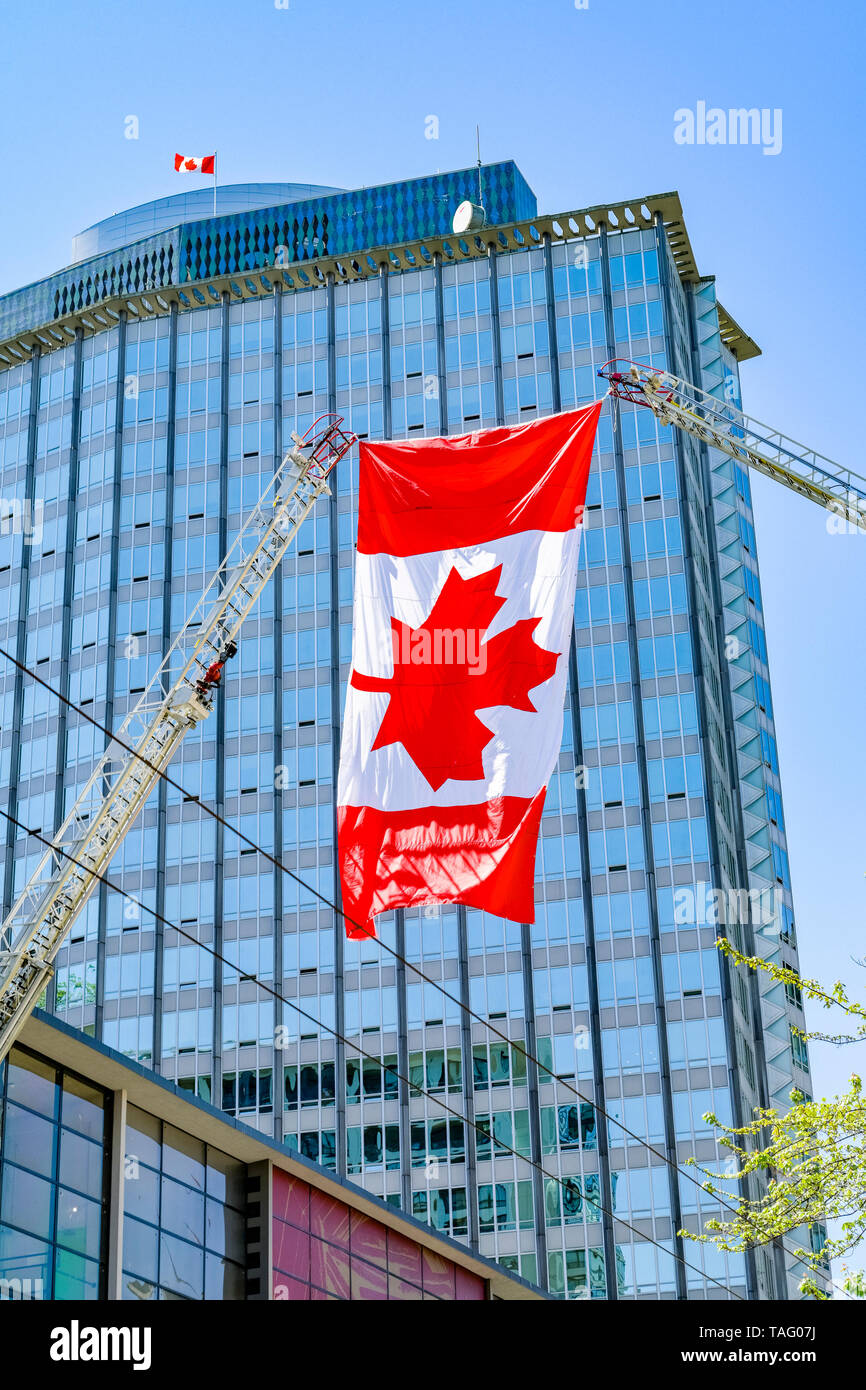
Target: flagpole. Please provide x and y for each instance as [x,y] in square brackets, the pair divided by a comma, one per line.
[214,181]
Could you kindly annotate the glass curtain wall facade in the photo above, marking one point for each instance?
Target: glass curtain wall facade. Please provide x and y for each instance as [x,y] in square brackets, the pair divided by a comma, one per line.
[146,445]
[54,1189]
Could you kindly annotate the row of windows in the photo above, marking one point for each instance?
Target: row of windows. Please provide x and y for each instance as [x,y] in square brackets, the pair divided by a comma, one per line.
[183,1225]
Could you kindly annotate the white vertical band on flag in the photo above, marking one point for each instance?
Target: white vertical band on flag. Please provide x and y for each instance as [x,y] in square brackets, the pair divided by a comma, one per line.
[539,574]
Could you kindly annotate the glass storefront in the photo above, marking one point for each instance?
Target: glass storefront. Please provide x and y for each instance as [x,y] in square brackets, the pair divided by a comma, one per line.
[183,1215]
[53,1175]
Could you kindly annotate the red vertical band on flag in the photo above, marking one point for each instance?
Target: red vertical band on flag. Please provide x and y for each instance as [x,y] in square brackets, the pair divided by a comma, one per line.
[440,493]
[483,856]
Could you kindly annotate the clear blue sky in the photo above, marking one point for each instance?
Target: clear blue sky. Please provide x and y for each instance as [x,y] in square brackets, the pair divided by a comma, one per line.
[338,92]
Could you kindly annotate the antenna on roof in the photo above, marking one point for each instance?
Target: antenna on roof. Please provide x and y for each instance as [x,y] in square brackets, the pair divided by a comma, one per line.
[469,216]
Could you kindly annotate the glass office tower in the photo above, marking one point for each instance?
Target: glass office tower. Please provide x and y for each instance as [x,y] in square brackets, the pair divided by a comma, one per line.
[145,398]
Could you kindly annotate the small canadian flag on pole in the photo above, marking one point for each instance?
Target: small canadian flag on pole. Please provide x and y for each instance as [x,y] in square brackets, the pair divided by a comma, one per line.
[195,164]
[199,164]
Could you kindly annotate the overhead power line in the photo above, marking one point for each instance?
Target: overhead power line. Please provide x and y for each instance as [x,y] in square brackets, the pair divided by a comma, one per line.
[496,1144]
[340,912]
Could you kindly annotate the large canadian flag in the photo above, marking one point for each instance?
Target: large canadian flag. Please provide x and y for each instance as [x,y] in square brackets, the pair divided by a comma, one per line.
[464,599]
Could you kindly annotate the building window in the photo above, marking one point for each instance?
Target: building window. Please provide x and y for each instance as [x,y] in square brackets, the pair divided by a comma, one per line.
[799,1052]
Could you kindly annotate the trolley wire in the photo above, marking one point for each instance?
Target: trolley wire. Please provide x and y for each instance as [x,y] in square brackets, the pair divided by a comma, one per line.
[592,1203]
[339,911]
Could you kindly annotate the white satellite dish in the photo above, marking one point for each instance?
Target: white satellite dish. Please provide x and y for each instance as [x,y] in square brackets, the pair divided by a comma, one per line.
[469,217]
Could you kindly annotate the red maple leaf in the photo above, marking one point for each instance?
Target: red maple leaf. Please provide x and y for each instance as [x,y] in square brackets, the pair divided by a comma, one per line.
[444,671]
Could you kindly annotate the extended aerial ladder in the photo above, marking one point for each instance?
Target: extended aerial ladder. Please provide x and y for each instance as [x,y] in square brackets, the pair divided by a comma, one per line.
[180,693]
[722,425]
[178,697]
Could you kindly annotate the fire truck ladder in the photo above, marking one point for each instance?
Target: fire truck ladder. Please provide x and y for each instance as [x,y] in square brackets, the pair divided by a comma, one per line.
[721,425]
[178,697]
